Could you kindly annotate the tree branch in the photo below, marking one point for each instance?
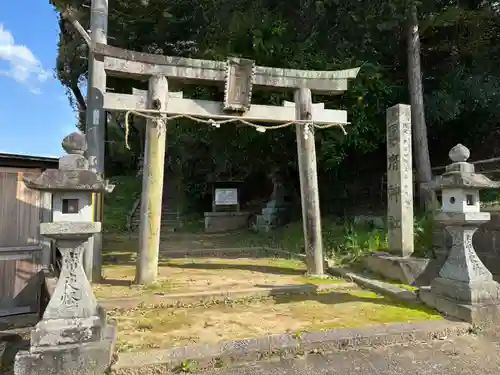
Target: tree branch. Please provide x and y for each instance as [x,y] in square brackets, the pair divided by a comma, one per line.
[67,14]
[82,105]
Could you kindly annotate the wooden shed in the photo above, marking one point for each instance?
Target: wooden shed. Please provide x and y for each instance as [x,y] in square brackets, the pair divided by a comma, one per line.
[23,252]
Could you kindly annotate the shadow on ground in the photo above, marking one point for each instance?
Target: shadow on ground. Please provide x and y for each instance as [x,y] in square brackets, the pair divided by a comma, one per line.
[242,267]
[115,282]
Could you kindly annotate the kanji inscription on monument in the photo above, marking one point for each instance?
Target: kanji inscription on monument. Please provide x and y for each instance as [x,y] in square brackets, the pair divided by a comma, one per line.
[399,180]
[238,85]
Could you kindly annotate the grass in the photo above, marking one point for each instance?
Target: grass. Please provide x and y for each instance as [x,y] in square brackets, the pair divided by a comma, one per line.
[206,274]
[319,280]
[286,264]
[346,244]
[141,329]
[342,240]
[411,288]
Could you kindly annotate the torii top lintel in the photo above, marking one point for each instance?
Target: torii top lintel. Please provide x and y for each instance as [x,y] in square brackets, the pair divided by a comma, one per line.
[131,64]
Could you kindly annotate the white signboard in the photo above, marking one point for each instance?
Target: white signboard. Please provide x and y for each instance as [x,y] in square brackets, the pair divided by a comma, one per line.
[226,197]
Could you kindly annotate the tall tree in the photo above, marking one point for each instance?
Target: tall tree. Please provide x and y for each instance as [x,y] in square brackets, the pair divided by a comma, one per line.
[420,143]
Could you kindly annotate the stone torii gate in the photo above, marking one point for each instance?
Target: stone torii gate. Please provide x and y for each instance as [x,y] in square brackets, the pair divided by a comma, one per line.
[238,77]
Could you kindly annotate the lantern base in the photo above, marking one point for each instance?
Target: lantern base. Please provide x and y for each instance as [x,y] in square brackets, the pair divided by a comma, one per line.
[88,358]
[483,314]
[472,292]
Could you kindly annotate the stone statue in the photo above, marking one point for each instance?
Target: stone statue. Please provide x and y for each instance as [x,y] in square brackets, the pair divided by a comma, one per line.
[279,190]
[277,210]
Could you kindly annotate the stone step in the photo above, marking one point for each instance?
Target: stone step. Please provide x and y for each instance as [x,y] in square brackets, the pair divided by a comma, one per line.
[162,222]
[175,218]
[172,216]
[169,204]
[170,226]
[170,222]
[168,210]
[163,217]
[164,209]
[173,224]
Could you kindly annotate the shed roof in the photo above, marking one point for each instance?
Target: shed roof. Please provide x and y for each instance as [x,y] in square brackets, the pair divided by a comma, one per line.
[28,161]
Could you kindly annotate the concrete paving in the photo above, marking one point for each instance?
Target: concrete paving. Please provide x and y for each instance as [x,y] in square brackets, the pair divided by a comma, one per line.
[466,355]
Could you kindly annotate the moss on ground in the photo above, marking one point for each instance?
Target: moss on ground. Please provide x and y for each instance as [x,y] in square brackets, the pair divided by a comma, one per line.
[342,241]
[320,280]
[185,275]
[140,329]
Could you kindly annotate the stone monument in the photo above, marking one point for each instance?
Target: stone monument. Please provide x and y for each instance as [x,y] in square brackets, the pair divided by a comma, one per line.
[277,209]
[226,214]
[464,287]
[397,263]
[73,336]
[399,181]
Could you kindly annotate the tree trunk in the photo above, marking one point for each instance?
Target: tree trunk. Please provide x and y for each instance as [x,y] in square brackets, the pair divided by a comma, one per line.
[427,198]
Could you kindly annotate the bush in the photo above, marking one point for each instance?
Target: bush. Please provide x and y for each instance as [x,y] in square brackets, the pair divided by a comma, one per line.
[357,242]
[422,229]
[341,241]
[348,243]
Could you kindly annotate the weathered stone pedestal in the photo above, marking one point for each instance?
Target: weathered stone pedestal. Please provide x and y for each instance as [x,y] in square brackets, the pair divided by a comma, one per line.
[217,222]
[73,337]
[464,287]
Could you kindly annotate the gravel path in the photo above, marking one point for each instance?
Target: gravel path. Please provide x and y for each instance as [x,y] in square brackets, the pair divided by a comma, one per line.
[467,355]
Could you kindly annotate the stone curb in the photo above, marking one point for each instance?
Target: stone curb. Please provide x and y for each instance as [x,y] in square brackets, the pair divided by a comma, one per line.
[218,251]
[377,285]
[219,296]
[230,352]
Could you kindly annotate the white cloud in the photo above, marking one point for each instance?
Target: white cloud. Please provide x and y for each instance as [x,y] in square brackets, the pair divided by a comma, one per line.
[24,66]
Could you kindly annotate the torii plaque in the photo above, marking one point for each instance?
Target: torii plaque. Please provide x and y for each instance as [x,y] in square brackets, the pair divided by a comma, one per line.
[238,84]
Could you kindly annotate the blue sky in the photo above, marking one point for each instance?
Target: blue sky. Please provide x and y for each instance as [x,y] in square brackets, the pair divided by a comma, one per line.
[34,112]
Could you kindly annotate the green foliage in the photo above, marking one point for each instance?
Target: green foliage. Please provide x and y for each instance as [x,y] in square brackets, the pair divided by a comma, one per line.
[187,366]
[341,241]
[490,197]
[357,242]
[348,243]
[422,229]
[460,66]
[117,205]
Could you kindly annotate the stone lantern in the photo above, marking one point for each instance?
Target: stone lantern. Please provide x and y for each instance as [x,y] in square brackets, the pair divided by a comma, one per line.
[73,335]
[464,287]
